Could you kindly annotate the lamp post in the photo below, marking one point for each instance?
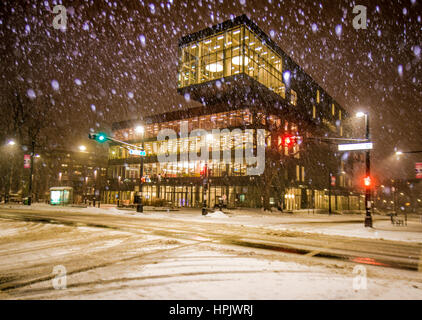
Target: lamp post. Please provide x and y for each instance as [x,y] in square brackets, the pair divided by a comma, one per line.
[31,172]
[368,217]
[10,143]
[140,208]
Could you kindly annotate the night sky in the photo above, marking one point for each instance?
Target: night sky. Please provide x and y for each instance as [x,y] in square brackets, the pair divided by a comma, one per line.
[118,60]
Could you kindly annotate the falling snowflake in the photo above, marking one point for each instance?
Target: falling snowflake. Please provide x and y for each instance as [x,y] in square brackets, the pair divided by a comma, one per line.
[142,40]
[400,70]
[152,8]
[55,84]
[78,82]
[417,51]
[286,76]
[31,94]
[339,30]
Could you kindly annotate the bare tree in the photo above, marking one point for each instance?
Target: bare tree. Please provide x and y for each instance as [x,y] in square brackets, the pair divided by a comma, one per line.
[27,121]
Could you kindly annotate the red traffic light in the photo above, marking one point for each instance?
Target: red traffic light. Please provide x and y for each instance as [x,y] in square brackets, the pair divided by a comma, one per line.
[367,182]
[288,140]
[203,170]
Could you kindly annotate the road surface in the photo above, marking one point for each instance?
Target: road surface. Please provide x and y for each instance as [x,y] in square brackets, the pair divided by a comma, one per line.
[142,256]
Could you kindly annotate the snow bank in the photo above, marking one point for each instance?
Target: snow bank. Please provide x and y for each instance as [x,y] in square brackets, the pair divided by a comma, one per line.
[217,214]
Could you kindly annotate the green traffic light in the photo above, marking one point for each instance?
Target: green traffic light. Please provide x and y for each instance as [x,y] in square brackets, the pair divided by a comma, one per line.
[101,137]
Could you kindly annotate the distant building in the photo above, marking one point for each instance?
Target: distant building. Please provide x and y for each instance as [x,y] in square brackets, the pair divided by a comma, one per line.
[243,80]
[85,172]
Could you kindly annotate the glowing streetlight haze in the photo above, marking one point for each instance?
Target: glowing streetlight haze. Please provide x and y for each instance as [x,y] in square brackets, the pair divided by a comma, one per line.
[139,129]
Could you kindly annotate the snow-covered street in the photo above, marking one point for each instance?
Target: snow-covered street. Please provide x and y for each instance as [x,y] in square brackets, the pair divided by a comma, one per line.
[108,253]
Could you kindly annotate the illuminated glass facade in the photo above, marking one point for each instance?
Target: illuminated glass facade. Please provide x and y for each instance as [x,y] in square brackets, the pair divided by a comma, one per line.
[234,51]
[209,59]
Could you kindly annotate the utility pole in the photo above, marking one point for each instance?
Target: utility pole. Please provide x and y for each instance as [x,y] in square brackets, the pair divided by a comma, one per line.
[31,171]
[204,190]
[329,193]
[10,181]
[140,206]
[368,217]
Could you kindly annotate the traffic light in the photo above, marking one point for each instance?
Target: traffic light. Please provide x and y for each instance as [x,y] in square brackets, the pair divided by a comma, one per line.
[99,137]
[367,182]
[287,140]
[203,171]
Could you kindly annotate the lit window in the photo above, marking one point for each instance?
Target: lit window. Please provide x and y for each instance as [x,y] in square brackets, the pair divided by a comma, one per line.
[333,109]
[293,97]
[339,114]
[281,90]
[313,112]
[317,96]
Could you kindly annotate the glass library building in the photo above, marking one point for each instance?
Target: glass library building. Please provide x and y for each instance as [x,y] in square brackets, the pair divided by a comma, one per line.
[243,83]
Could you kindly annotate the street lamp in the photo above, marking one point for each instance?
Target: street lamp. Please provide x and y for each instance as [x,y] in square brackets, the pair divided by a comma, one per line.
[140,208]
[139,129]
[368,217]
[82,148]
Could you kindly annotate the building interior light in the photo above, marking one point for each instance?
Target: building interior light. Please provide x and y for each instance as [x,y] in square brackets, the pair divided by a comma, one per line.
[220,37]
[207,41]
[236,32]
[214,67]
[238,60]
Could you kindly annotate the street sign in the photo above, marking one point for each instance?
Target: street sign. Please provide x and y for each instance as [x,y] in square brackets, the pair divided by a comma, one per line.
[27,161]
[355,146]
[418,168]
[136,152]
